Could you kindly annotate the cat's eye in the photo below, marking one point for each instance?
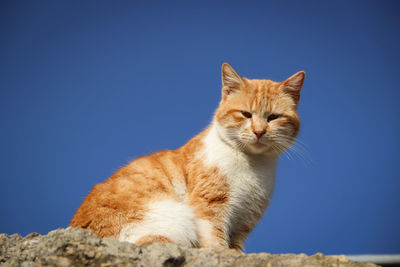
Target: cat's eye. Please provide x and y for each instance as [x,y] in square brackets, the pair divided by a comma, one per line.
[272,117]
[246,114]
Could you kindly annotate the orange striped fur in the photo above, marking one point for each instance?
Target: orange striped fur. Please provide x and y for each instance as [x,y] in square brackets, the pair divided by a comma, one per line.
[211,191]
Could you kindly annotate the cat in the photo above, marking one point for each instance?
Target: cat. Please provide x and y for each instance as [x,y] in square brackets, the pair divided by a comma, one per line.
[212,191]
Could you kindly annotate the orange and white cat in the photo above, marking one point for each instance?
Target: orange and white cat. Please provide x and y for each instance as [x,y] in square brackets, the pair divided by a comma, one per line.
[212,191]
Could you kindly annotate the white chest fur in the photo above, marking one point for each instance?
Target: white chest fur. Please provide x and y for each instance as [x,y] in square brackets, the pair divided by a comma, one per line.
[251,179]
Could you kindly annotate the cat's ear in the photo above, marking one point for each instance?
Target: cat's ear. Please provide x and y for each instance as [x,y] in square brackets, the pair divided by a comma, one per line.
[231,81]
[293,85]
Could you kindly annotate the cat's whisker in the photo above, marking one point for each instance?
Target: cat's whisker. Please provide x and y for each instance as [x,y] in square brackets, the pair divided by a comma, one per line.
[301,150]
[282,151]
[297,149]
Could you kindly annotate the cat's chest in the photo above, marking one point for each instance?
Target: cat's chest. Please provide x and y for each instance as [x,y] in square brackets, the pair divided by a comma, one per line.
[250,185]
[250,188]
[250,179]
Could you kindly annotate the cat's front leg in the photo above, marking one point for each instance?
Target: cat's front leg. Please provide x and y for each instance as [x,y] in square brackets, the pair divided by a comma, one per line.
[238,238]
[212,233]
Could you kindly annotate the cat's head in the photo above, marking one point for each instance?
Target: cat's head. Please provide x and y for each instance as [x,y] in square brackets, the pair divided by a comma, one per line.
[258,116]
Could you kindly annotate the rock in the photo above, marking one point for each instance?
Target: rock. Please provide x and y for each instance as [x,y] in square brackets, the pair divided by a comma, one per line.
[77,247]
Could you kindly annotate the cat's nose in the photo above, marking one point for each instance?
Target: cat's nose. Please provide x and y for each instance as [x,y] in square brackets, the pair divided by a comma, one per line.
[259,133]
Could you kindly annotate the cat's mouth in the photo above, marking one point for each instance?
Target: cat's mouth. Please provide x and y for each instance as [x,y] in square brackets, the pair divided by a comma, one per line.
[259,145]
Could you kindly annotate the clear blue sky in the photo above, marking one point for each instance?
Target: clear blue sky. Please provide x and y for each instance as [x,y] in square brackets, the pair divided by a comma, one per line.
[86,86]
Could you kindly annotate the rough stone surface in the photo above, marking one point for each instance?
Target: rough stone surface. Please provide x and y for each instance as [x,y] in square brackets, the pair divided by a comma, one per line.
[77,247]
